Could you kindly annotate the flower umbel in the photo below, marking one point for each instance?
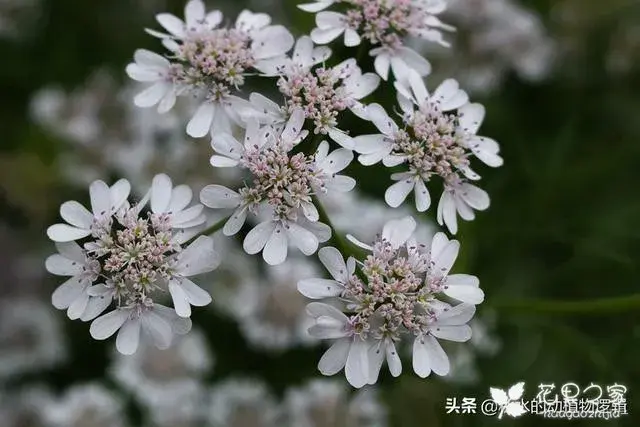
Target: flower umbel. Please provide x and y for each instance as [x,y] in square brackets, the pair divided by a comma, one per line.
[131,260]
[397,295]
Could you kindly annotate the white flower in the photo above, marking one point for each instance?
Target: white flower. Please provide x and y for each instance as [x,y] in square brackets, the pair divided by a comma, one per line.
[328,166]
[461,199]
[158,323]
[197,258]
[438,138]
[30,337]
[349,351]
[87,404]
[149,67]
[196,20]
[242,402]
[276,319]
[272,238]
[105,201]
[169,204]
[450,324]
[393,295]
[383,25]
[72,261]
[166,382]
[317,401]
[208,62]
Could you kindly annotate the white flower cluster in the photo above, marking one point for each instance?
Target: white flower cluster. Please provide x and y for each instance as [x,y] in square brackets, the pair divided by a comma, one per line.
[129,260]
[292,153]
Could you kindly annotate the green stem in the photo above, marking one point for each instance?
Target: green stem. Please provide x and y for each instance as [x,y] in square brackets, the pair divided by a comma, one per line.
[210,230]
[586,307]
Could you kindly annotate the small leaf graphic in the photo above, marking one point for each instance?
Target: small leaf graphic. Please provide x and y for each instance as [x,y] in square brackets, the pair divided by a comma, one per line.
[516,391]
[515,409]
[499,396]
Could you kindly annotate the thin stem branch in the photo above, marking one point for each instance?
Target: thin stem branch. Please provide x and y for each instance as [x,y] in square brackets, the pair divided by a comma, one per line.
[210,230]
[336,239]
[584,307]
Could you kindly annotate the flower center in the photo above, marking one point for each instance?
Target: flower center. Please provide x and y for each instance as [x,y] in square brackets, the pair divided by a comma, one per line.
[320,93]
[431,143]
[213,62]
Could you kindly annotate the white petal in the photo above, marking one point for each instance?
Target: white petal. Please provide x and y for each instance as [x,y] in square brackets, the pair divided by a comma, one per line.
[341,138]
[423,199]
[236,221]
[460,333]
[376,357]
[340,183]
[447,212]
[337,161]
[315,7]
[96,306]
[457,315]
[471,117]
[319,288]
[304,239]
[275,250]
[197,258]
[437,357]
[367,144]
[179,298]
[364,85]
[272,41]
[393,359]
[105,326]
[357,366]
[333,261]
[419,89]
[200,123]
[398,231]
[310,211]
[151,95]
[100,198]
[180,198]
[325,36]
[62,266]
[66,233]
[66,293]
[421,361]
[76,214]
[150,59]
[196,296]
[476,197]
[194,13]
[159,328]
[334,359]
[129,337]
[219,197]
[446,258]
[351,38]
[327,328]
[415,61]
[465,293]
[294,126]
[358,243]
[171,23]
[398,192]
[189,217]
[142,74]
[378,115]
[248,21]
[256,238]
[161,189]
[119,194]
[318,309]
[167,102]
[179,325]
[381,65]
[325,20]
[71,250]
[78,305]
[222,162]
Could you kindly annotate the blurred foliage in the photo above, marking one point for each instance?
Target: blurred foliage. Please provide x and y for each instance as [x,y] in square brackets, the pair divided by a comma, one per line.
[562,225]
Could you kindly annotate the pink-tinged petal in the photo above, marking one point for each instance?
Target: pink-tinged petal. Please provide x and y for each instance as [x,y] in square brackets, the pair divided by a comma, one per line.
[257,238]
[105,326]
[129,337]
[201,122]
[335,358]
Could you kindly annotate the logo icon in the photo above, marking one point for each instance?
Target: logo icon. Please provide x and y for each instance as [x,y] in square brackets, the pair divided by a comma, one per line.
[510,402]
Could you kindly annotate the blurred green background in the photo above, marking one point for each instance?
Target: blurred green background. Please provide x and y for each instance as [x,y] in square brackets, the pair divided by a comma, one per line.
[563,100]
